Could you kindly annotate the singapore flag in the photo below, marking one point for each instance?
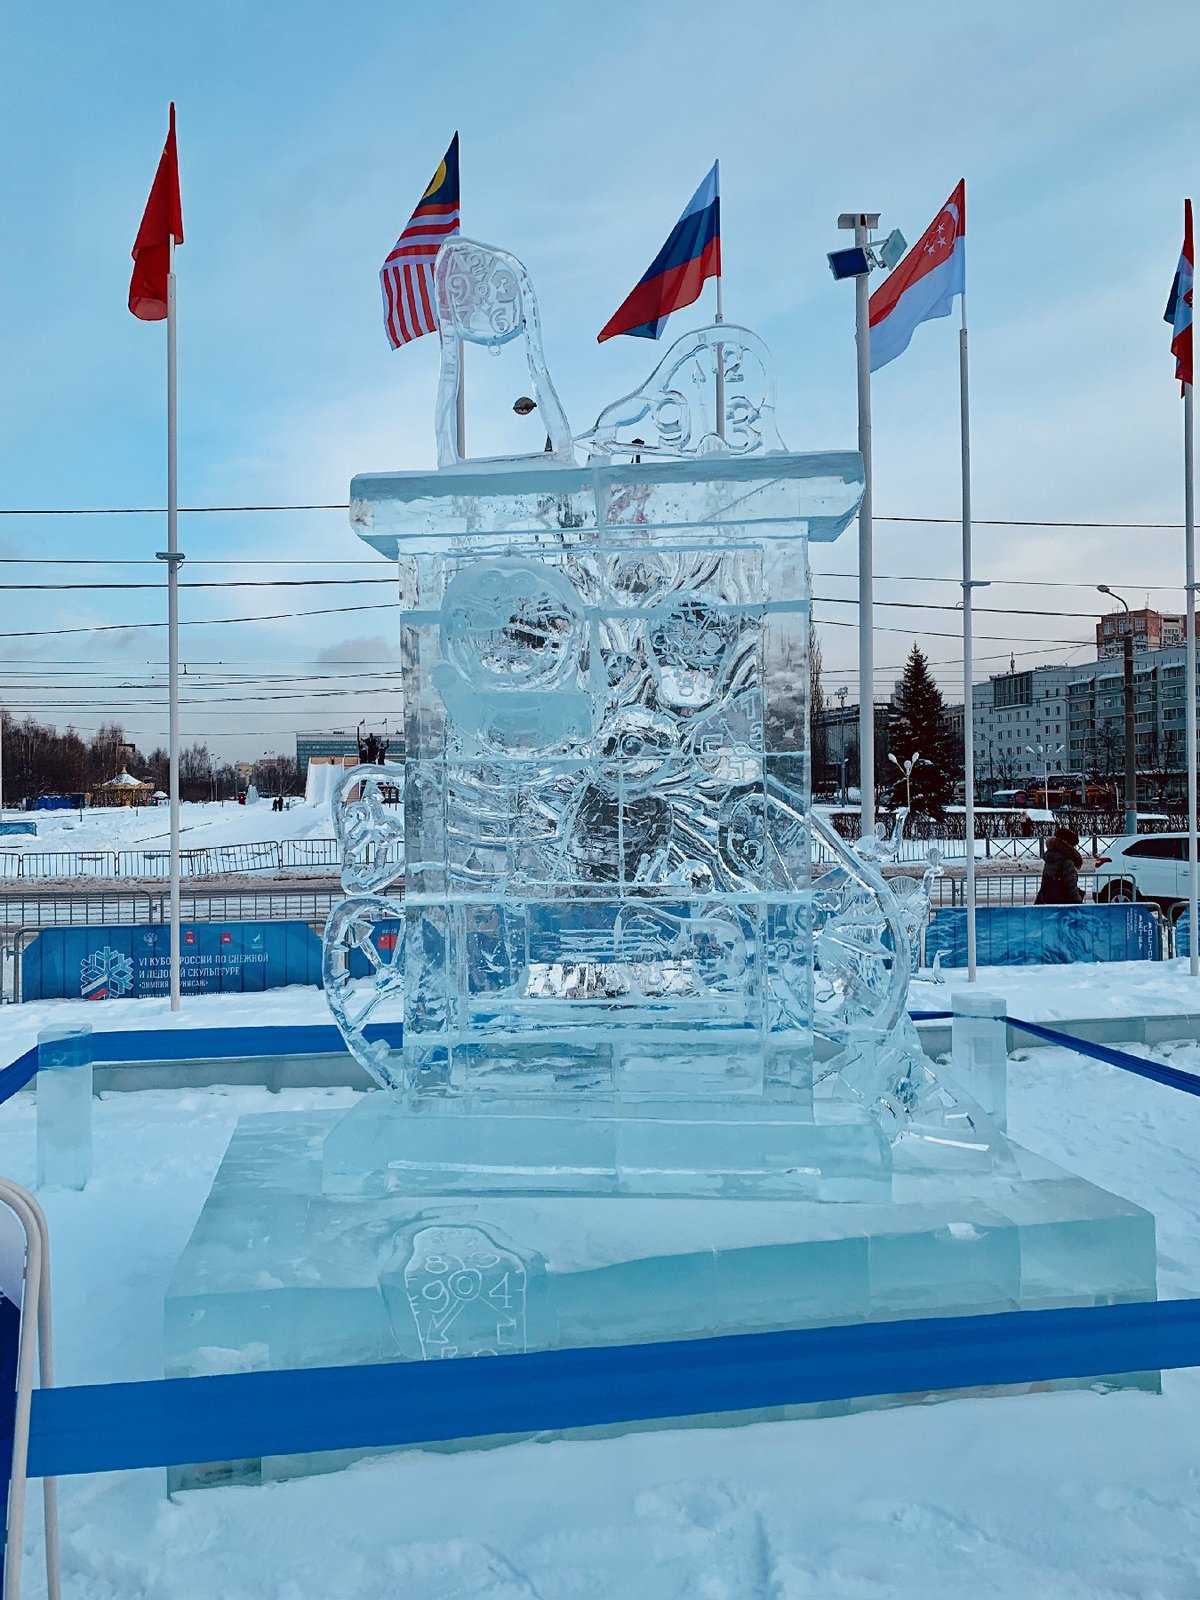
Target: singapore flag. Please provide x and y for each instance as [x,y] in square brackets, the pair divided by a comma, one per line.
[923,286]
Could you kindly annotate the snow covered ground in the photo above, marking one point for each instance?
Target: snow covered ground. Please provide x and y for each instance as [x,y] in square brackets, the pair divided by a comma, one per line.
[1076,991]
[1063,1495]
[202,823]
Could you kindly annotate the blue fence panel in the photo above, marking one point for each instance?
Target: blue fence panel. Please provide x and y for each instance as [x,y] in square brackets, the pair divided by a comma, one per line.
[1030,936]
[1183,935]
[13,827]
[108,963]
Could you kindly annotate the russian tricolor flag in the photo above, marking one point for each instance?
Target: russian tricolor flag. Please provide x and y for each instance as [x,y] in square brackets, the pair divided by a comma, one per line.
[675,277]
[1180,305]
[923,286]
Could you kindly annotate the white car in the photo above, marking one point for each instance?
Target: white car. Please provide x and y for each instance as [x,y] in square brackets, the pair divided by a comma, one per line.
[1145,866]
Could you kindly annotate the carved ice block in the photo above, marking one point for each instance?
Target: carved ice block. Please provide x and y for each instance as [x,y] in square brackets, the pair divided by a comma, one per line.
[606,854]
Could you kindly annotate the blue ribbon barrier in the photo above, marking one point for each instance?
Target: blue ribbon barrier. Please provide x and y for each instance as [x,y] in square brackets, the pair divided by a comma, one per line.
[177,1421]
[212,1044]
[1024,936]
[1156,1071]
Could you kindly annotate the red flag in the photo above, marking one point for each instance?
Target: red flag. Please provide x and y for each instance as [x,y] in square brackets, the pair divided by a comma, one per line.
[161,222]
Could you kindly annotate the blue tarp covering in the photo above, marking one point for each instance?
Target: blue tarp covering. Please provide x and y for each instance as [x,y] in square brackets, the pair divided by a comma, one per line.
[108,963]
[1030,936]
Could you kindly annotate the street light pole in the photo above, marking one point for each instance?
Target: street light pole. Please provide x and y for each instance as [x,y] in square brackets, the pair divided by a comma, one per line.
[1041,752]
[841,695]
[1130,727]
[907,768]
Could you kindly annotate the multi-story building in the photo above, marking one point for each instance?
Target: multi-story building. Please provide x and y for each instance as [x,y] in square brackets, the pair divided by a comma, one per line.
[1152,630]
[1020,723]
[836,747]
[335,742]
[1071,721]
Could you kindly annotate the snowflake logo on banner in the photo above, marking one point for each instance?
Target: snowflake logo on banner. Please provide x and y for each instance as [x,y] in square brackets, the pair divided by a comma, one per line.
[105,974]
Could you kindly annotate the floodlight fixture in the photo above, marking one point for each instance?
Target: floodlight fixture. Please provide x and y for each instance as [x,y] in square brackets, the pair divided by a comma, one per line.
[523,405]
[852,263]
[890,251]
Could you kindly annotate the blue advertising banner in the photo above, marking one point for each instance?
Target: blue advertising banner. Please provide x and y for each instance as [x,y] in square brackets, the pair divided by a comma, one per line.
[1029,936]
[108,963]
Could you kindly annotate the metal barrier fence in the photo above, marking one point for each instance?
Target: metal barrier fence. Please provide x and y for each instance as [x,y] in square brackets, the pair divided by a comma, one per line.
[912,852]
[271,855]
[137,907]
[1006,889]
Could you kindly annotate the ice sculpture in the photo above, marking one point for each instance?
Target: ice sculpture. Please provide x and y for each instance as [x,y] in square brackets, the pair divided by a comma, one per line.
[656,1078]
[606,967]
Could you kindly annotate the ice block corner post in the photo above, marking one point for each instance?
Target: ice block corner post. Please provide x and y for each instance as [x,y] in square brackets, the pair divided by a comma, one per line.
[64,1106]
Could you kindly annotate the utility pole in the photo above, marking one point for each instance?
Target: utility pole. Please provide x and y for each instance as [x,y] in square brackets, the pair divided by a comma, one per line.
[1130,719]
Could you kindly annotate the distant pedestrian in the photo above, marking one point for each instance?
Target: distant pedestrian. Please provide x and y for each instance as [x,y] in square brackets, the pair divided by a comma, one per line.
[1060,873]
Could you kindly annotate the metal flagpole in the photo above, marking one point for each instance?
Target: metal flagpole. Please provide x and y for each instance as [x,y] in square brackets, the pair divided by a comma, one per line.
[866,555]
[1189,525]
[720,317]
[968,673]
[461,402]
[173,559]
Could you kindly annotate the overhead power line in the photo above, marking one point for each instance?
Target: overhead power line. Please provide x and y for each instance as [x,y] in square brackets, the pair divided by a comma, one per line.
[194,622]
[343,505]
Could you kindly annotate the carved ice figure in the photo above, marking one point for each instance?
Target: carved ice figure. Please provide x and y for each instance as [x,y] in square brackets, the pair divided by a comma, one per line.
[464,1291]
[674,413]
[609,913]
[484,296]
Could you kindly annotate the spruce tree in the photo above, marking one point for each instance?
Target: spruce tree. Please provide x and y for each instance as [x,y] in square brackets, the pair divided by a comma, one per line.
[917,725]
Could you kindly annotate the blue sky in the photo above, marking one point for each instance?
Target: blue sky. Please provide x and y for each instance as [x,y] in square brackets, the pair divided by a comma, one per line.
[307,131]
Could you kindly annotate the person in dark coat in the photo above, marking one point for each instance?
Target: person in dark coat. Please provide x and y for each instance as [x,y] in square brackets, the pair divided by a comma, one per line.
[1060,872]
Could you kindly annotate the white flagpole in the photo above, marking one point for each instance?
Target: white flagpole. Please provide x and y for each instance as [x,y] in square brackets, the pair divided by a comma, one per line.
[866,554]
[461,403]
[173,559]
[968,672]
[1189,524]
[720,351]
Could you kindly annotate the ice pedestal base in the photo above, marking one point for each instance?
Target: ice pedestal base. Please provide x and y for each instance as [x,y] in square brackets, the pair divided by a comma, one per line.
[546,1144]
[279,1273]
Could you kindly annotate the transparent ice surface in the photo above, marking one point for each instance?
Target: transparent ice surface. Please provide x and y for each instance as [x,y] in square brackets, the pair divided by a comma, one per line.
[64,1106]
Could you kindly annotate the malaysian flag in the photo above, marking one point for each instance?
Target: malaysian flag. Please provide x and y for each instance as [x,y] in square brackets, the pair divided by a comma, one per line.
[409,309]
